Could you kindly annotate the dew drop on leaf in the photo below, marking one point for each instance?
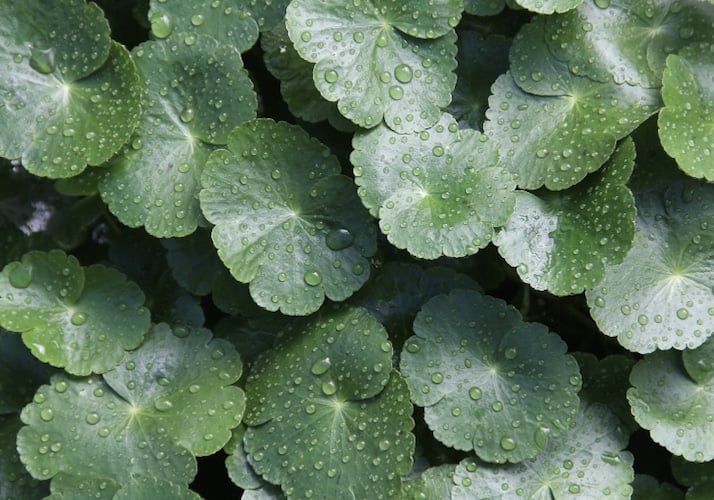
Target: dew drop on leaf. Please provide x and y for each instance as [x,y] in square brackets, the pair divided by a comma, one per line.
[20,276]
[313,278]
[78,318]
[321,366]
[42,60]
[475,393]
[508,443]
[403,73]
[161,25]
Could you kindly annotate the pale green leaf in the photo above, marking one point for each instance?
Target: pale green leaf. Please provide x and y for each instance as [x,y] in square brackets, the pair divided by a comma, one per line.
[438,192]
[488,381]
[285,220]
[549,6]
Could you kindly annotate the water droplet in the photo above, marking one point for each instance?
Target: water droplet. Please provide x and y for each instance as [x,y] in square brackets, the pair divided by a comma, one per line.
[475,393]
[187,114]
[305,36]
[20,276]
[313,278]
[321,366]
[541,437]
[497,406]
[510,353]
[682,313]
[92,418]
[42,60]
[78,318]
[508,443]
[574,489]
[403,73]
[358,36]
[163,404]
[437,377]
[339,239]
[47,414]
[329,387]
[396,92]
[331,76]
[438,151]
[197,19]
[160,25]
[413,347]
[382,39]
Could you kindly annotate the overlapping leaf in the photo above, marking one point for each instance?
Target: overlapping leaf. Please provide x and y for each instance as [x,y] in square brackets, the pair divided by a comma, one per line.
[286,221]
[587,462]
[380,60]
[562,241]
[686,123]
[489,382]
[196,91]
[81,319]
[549,6]
[437,192]
[70,96]
[661,295]
[672,396]
[484,7]
[647,487]
[133,420]
[341,421]
[434,482]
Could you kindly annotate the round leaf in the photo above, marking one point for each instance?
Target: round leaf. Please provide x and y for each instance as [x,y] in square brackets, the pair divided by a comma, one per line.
[15,482]
[286,222]
[489,382]
[687,120]
[80,319]
[661,295]
[672,396]
[587,462]
[438,192]
[225,20]
[133,421]
[196,92]
[562,241]
[316,410]
[372,57]
[68,487]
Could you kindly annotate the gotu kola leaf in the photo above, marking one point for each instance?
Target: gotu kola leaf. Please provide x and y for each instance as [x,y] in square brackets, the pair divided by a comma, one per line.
[285,220]
[437,192]
[672,395]
[661,295]
[488,381]
[562,241]
[80,319]
[132,421]
[317,407]
[587,462]
[380,60]
[70,96]
[196,91]
[686,124]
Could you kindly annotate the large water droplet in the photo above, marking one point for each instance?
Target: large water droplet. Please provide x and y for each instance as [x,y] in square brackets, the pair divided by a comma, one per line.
[508,443]
[329,387]
[339,239]
[78,318]
[313,278]
[92,418]
[475,393]
[160,25]
[331,76]
[541,437]
[42,60]
[20,276]
[403,73]
[187,114]
[47,414]
[321,366]
[163,404]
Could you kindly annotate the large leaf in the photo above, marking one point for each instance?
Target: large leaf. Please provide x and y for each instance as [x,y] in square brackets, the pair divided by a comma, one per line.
[81,319]
[327,414]
[286,221]
[661,295]
[489,382]
[672,396]
[587,462]
[133,421]
[627,41]
[70,96]
[196,91]
[380,59]
[562,241]
[686,123]
[225,20]
[437,192]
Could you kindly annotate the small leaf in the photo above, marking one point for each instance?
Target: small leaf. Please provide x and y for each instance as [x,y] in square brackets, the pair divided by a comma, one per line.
[380,60]
[286,221]
[438,192]
[660,296]
[15,482]
[673,397]
[80,319]
[489,382]
[132,422]
[690,473]
[268,13]
[648,488]
[687,120]
[193,261]
[317,406]
[562,241]
[435,482]
[195,91]
[587,462]
[225,20]
[67,487]
[239,469]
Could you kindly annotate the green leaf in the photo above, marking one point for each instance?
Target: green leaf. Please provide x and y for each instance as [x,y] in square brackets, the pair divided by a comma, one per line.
[133,421]
[296,85]
[689,473]
[80,319]
[435,482]
[648,488]
[672,396]
[20,374]
[316,410]
[286,221]
[562,241]
[660,296]
[239,470]
[549,6]
[488,381]
[587,462]
[15,482]
[195,91]
[67,487]
[687,120]
[399,289]
[438,192]
[70,94]
[484,7]
[606,381]
[380,60]
[480,61]
[149,488]
[627,41]
[268,13]
[226,21]
[193,261]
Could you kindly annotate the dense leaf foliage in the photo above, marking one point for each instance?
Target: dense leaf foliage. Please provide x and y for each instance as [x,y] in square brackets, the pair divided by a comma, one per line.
[356,248]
